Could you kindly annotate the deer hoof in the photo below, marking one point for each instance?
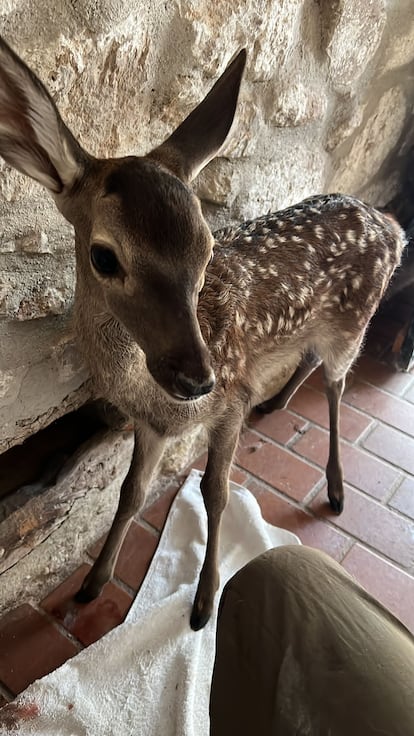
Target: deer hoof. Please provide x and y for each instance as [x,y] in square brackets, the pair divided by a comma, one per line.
[336,504]
[83,596]
[199,615]
[198,620]
[263,408]
[86,594]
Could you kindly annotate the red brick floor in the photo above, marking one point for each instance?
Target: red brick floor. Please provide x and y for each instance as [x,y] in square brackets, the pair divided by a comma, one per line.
[281,459]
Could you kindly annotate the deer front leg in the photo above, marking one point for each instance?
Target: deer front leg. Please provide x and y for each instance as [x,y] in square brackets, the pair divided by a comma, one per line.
[148,449]
[334,474]
[309,362]
[215,490]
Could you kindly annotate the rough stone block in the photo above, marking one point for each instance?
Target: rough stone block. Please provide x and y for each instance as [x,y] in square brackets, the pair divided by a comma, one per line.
[355,38]
[377,138]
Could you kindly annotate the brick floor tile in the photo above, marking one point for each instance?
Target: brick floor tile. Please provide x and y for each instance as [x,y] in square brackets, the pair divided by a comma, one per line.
[310,531]
[403,498]
[276,466]
[88,622]
[281,426]
[360,469]
[157,512]
[200,462]
[377,526]
[313,406]
[238,475]
[389,585]
[135,555]
[30,647]
[376,403]
[392,446]
[315,380]
[381,375]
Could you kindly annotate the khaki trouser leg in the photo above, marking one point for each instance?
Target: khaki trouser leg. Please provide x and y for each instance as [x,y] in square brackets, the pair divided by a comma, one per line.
[302,650]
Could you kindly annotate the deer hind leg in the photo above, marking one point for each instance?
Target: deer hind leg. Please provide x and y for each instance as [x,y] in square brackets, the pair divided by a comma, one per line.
[215,489]
[148,449]
[335,372]
[334,474]
[309,362]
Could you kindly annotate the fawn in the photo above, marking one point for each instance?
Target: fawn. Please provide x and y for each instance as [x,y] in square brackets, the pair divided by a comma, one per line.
[174,337]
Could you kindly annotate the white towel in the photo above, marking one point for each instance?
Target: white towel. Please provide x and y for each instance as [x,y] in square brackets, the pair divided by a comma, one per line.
[151,675]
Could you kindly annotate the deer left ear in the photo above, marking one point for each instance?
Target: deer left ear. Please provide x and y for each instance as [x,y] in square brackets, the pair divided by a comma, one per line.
[33,136]
[199,138]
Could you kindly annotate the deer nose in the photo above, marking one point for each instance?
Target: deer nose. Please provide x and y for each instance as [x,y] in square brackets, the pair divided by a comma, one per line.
[190,387]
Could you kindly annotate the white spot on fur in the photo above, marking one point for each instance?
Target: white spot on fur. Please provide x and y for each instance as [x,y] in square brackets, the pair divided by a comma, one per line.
[268,324]
[239,319]
[356,282]
[325,298]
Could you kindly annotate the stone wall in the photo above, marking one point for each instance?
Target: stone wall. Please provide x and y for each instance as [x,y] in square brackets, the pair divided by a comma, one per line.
[326,104]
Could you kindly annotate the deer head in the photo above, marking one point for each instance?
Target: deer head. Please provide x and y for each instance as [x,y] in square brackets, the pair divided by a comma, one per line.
[142,243]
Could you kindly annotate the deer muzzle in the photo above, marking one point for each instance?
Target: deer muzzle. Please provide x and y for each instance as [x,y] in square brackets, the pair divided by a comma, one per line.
[185,375]
[190,388]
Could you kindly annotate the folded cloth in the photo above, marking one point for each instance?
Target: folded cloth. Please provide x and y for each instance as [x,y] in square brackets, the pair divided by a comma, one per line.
[151,675]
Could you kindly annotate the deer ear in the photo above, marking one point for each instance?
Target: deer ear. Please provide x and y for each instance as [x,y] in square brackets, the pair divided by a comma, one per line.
[199,138]
[33,137]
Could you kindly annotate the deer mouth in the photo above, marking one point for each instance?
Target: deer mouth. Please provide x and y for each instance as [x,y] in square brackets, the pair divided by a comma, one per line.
[181,387]
[189,389]
[180,398]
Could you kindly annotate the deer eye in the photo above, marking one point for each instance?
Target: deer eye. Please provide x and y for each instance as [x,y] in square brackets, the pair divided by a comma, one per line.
[104,260]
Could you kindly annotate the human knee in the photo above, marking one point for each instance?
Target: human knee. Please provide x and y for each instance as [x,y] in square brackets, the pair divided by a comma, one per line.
[275,566]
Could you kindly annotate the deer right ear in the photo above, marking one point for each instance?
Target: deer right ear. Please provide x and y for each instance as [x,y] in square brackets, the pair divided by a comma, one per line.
[199,138]
[33,137]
